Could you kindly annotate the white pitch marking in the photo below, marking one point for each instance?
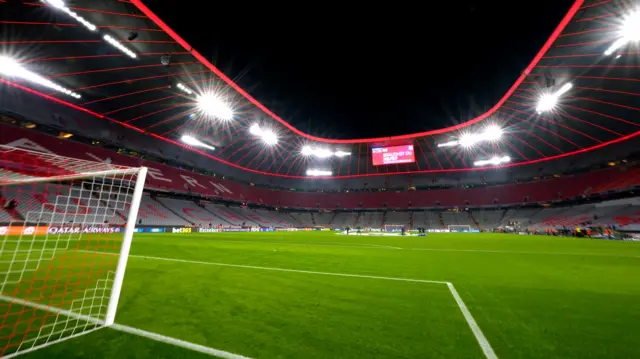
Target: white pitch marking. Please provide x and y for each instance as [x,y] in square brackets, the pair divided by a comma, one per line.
[477,332]
[177,342]
[124,328]
[378,246]
[274,268]
[519,252]
[324,244]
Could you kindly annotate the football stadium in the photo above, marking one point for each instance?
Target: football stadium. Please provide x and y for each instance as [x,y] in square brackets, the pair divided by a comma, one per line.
[153,208]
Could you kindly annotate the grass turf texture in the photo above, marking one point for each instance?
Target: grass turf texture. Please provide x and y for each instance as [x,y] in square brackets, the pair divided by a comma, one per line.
[533,297]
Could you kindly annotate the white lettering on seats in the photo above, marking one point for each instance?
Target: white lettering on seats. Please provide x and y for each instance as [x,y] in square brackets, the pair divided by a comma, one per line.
[156,174]
[192,181]
[27,144]
[220,188]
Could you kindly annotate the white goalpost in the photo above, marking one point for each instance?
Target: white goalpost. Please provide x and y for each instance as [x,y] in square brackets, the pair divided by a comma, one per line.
[62,222]
[459,228]
[394,227]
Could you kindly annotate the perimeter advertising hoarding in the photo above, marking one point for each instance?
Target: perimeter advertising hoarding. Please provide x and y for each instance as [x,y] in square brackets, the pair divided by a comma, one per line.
[181,230]
[207,230]
[43,230]
[20,230]
[149,230]
[232,229]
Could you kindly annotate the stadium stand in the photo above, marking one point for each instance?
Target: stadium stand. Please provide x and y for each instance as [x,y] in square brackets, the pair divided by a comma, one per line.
[167,178]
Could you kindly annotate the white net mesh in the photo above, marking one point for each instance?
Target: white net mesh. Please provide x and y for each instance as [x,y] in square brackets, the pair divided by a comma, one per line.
[62,222]
[393,227]
[459,228]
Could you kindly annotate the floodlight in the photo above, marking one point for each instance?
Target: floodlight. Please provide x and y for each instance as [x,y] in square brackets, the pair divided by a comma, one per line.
[60,5]
[317,173]
[494,161]
[184,88]
[322,152]
[212,105]
[631,27]
[11,68]
[467,140]
[492,133]
[630,31]
[115,43]
[548,101]
[268,136]
[306,151]
[192,141]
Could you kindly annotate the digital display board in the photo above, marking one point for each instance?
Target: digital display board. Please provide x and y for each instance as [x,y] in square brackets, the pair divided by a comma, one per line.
[392,155]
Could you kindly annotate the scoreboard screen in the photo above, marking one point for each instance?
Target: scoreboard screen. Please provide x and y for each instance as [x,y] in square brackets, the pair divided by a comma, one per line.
[393,155]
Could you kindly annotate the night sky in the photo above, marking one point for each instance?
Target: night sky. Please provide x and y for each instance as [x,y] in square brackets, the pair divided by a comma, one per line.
[344,70]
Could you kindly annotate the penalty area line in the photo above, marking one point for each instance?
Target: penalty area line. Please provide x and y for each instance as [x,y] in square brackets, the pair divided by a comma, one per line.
[275,269]
[485,346]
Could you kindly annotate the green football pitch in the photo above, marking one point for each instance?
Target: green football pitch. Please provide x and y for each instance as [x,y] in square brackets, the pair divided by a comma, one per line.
[318,295]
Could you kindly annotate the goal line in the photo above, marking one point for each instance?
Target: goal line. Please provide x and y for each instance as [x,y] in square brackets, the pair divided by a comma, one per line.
[484,344]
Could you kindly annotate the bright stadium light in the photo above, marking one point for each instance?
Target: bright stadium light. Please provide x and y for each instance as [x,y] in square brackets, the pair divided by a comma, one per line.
[548,102]
[629,32]
[11,68]
[212,105]
[493,161]
[269,137]
[60,5]
[318,173]
[192,141]
[322,152]
[467,140]
[184,88]
[115,43]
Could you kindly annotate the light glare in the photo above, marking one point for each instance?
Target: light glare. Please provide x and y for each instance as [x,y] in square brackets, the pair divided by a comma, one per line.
[493,161]
[211,105]
[630,32]
[11,68]
[192,141]
[548,102]
[322,152]
[269,137]
[318,173]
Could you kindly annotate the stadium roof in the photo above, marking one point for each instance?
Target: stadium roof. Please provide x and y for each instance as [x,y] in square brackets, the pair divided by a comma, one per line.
[579,93]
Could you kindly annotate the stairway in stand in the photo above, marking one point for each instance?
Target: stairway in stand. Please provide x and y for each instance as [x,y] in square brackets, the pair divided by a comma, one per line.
[473,219]
[355,224]
[171,210]
[441,219]
[332,218]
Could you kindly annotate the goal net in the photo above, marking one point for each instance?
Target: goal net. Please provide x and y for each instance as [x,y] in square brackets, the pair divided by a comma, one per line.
[66,226]
[393,227]
[459,228]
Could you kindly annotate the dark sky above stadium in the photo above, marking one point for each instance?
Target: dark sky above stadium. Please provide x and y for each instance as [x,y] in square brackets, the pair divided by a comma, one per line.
[345,70]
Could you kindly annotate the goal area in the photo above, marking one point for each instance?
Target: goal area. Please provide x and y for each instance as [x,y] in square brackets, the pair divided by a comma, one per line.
[67,226]
[459,228]
[394,227]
